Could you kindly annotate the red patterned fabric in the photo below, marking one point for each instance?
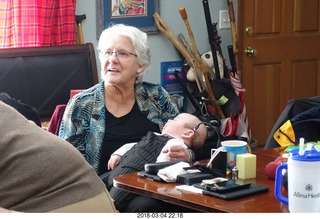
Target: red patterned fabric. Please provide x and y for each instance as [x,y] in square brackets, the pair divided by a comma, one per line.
[25,23]
[237,125]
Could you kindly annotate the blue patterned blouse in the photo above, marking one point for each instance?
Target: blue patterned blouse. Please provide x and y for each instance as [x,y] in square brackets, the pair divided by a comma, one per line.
[83,123]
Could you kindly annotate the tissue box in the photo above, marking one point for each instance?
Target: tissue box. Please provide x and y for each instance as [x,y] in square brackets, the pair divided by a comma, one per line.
[246,164]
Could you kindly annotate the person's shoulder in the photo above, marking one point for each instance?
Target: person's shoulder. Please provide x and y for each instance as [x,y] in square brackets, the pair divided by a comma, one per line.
[149,84]
[28,111]
[90,92]
[150,87]
[93,90]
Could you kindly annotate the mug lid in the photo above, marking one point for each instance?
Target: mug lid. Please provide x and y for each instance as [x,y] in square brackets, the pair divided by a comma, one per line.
[308,155]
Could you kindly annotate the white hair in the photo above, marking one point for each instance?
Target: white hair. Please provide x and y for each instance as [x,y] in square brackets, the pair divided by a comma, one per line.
[138,39]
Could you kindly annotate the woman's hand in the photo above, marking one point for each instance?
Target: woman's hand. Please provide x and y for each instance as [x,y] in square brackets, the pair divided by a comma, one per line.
[177,152]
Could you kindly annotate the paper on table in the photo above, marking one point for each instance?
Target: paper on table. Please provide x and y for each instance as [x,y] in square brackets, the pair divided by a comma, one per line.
[189,189]
[170,173]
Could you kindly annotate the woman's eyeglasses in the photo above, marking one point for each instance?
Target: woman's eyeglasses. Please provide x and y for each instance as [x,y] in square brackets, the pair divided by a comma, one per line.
[119,54]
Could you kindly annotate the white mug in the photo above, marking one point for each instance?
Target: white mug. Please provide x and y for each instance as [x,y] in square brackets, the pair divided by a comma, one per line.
[233,148]
[303,181]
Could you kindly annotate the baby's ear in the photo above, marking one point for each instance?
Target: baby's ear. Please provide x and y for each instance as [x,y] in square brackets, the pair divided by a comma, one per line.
[189,133]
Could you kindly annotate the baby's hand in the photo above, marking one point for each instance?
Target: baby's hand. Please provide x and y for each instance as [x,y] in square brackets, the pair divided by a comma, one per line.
[113,161]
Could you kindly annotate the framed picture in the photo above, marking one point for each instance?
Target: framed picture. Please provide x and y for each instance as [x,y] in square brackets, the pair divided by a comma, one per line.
[138,13]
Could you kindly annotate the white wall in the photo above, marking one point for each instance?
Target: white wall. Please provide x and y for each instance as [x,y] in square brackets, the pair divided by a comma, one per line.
[161,48]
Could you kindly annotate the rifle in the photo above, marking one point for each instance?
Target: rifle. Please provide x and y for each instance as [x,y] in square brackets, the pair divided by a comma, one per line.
[232,60]
[211,38]
[217,43]
[164,29]
[199,65]
[233,30]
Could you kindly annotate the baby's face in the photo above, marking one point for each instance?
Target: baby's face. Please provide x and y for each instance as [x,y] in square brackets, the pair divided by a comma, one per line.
[177,126]
[173,127]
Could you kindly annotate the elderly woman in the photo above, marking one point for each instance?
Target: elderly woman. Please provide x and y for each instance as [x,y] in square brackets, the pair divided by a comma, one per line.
[121,108]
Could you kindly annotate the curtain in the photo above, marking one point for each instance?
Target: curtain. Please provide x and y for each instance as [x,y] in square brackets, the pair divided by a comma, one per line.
[29,23]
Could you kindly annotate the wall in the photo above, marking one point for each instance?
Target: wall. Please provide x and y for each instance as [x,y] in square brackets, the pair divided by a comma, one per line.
[161,48]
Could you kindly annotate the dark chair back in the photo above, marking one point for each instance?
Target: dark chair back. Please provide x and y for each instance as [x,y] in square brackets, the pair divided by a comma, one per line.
[43,76]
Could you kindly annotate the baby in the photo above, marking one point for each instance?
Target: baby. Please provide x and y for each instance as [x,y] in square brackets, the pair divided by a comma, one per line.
[185,129]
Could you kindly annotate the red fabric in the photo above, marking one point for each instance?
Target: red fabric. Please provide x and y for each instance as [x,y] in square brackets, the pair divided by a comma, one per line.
[56,118]
[237,125]
[25,23]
